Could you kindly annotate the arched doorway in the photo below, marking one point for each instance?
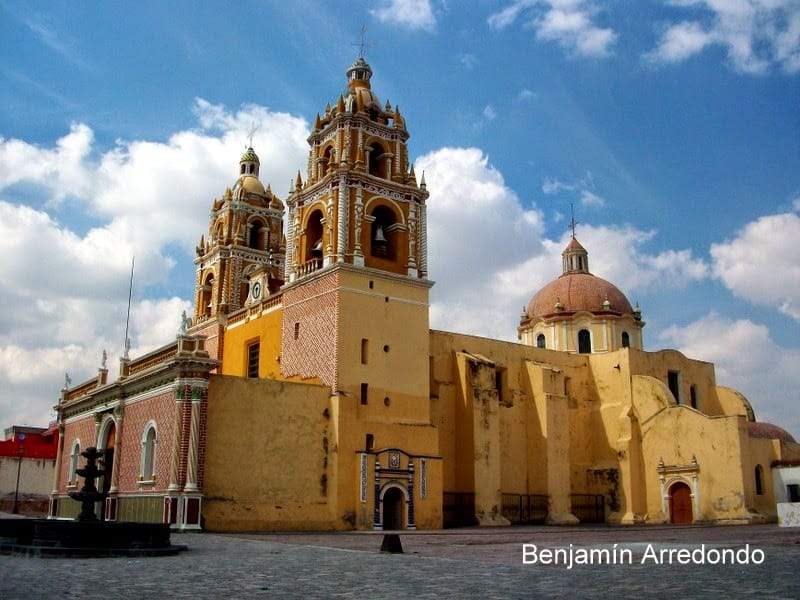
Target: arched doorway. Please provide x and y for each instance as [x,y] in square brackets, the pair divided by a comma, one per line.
[393,505]
[680,504]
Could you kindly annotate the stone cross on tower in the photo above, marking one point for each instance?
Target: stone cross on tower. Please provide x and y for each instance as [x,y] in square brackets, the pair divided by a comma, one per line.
[572,221]
[362,44]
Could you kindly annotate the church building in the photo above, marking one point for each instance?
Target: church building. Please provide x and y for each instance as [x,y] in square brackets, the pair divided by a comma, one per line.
[307,391]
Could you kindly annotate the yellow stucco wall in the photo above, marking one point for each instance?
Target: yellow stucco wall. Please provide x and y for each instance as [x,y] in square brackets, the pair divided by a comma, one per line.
[268,456]
[266,329]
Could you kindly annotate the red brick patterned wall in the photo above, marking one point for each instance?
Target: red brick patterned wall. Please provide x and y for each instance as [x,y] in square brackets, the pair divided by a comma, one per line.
[161,409]
[315,307]
[213,340]
[82,430]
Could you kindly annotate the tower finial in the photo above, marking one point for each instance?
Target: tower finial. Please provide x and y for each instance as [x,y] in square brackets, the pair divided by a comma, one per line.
[572,221]
[254,127]
[362,44]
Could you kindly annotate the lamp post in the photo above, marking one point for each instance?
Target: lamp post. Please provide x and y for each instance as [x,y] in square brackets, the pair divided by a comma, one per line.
[20,451]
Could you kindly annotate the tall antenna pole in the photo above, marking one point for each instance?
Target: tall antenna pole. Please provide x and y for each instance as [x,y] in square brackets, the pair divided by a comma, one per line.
[572,221]
[128,318]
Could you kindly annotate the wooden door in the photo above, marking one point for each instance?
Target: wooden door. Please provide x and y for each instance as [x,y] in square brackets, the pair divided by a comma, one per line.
[680,504]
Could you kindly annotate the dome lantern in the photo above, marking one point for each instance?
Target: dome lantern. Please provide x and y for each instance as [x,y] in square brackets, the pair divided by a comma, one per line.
[249,163]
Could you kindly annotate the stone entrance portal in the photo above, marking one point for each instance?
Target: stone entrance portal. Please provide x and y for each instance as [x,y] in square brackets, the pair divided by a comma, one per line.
[680,504]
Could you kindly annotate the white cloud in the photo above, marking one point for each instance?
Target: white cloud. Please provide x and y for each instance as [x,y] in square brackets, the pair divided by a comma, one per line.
[503,255]
[756,34]
[590,199]
[489,112]
[746,358]
[414,14]
[583,188]
[64,294]
[762,263]
[526,94]
[570,23]
[62,170]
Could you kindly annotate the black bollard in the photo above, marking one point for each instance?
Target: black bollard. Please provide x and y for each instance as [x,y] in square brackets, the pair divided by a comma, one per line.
[391,543]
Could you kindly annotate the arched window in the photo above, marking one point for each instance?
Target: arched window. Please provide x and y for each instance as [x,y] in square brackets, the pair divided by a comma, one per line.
[584,341]
[626,340]
[243,169]
[314,236]
[540,341]
[759,480]
[382,234]
[74,460]
[148,452]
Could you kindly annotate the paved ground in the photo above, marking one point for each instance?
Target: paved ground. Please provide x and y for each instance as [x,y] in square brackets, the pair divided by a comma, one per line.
[465,563]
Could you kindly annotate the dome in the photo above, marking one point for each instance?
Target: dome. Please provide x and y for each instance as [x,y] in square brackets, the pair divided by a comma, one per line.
[249,156]
[366,99]
[578,291]
[251,185]
[758,429]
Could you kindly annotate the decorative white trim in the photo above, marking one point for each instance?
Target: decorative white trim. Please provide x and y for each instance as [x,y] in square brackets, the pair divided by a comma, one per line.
[363,477]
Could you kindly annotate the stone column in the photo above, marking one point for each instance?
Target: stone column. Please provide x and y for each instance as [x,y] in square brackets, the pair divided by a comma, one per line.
[194,436]
[411,266]
[59,457]
[118,414]
[328,255]
[341,234]
[358,256]
[175,463]
[423,241]
[411,519]
[376,519]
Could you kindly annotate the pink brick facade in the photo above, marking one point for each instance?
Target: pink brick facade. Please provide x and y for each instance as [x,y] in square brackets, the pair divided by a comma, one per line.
[82,430]
[161,410]
[311,311]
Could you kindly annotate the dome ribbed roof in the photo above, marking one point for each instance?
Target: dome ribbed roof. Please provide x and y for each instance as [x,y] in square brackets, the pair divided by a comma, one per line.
[758,429]
[578,291]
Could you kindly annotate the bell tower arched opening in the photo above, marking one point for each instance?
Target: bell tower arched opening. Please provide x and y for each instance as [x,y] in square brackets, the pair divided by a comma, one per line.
[314,241]
[377,161]
[206,295]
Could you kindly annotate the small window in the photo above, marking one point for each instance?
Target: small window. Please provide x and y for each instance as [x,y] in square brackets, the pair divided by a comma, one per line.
[673,382]
[759,481]
[626,340]
[371,284]
[584,341]
[540,341]
[693,395]
[793,491]
[243,169]
[296,330]
[386,348]
[74,460]
[253,351]
[370,441]
[148,453]
[364,393]
[364,350]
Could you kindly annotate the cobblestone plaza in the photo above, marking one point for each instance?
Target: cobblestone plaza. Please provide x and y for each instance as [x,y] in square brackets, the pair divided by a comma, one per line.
[462,563]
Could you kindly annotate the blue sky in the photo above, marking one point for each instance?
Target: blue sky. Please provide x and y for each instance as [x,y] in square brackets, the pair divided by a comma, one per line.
[673,127]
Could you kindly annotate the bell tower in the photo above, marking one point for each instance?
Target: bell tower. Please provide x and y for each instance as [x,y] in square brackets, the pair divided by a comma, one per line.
[360,203]
[356,294]
[243,252]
